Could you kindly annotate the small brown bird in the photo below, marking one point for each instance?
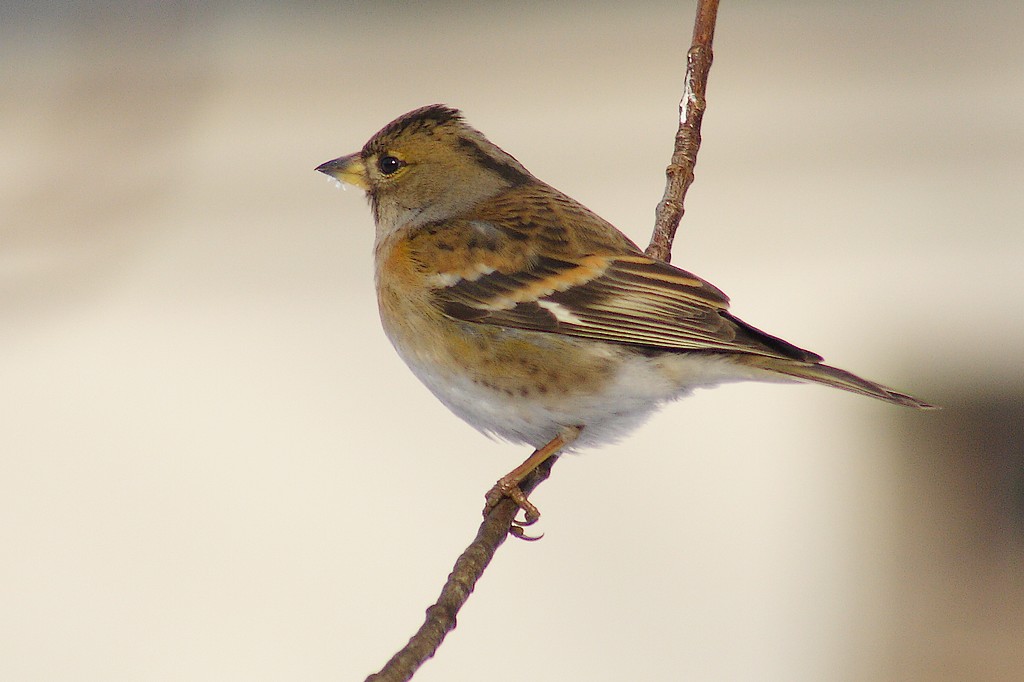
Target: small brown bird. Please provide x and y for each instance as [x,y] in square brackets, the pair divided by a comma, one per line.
[530,316]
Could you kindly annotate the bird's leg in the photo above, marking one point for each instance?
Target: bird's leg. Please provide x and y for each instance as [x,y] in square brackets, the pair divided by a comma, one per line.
[508,485]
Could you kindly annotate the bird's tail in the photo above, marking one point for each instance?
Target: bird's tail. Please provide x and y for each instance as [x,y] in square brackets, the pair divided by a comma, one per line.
[838,378]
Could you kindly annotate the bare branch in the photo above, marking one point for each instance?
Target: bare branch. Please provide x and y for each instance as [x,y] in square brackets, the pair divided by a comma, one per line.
[468,568]
[679,174]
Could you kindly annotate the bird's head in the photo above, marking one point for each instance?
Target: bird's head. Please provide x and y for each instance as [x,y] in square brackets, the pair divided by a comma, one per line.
[426,166]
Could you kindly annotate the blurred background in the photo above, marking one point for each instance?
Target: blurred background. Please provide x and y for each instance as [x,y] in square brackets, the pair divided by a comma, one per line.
[214,467]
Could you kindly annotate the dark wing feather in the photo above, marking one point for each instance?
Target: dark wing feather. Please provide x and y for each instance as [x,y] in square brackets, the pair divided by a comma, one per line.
[630,300]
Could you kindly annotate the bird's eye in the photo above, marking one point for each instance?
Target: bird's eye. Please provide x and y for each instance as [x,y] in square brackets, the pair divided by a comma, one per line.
[389,165]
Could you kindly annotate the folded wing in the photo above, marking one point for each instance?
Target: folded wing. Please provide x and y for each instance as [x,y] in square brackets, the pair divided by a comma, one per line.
[631,300]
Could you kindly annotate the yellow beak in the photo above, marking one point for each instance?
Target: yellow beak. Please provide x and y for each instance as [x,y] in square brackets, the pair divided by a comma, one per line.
[349,169]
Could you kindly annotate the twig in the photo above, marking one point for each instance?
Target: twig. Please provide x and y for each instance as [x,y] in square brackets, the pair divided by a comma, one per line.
[469,567]
[679,174]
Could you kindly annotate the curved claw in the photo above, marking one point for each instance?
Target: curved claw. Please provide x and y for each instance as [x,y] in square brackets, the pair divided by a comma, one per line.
[528,518]
[516,531]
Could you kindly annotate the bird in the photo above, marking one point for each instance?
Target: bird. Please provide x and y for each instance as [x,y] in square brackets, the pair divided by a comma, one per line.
[531,317]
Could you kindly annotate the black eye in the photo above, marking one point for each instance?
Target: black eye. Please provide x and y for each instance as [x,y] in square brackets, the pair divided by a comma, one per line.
[389,165]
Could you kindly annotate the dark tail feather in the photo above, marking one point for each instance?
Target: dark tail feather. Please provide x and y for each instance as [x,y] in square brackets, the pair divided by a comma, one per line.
[838,378]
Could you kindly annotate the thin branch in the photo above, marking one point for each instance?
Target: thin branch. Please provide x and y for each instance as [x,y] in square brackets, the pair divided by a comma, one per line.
[679,174]
[468,569]
[441,616]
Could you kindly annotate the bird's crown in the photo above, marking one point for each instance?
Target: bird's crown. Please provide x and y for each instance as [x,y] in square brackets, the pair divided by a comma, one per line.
[438,135]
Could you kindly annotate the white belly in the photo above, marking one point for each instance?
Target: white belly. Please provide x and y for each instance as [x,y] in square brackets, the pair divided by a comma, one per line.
[638,388]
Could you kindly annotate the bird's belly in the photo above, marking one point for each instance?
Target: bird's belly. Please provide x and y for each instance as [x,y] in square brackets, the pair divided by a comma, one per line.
[527,387]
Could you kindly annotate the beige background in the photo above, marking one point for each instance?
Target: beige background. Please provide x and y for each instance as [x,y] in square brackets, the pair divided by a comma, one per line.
[214,467]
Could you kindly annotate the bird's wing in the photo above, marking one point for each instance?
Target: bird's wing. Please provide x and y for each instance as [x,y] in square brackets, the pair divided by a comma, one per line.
[628,299]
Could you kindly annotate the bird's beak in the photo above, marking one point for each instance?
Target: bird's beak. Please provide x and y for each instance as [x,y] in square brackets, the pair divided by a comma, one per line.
[348,169]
